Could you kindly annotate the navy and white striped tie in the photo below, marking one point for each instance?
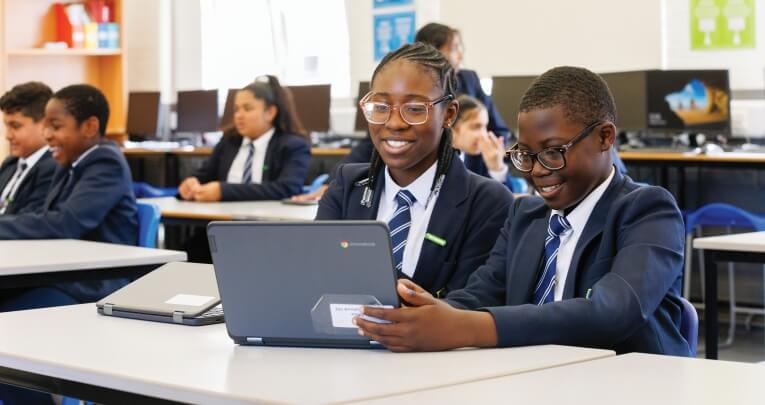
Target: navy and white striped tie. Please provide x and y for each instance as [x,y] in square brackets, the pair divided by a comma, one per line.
[544,291]
[399,225]
[247,175]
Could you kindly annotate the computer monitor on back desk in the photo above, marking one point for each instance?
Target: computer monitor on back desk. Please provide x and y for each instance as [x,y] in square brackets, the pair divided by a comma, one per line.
[312,105]
[143,115]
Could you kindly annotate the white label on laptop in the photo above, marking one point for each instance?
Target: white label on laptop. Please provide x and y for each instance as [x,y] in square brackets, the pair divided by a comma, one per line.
[189,300]
[343,314]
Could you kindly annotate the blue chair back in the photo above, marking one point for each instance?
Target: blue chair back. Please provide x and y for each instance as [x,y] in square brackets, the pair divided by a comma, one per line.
[689,324]
[316,183]
[518,185]
[146,190]
[148,224]
[719,214]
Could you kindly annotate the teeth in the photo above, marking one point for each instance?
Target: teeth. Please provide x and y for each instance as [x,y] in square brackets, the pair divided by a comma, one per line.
[548,189]
[396,144]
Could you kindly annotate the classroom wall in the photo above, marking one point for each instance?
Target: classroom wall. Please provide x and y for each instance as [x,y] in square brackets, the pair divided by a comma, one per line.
[517,37]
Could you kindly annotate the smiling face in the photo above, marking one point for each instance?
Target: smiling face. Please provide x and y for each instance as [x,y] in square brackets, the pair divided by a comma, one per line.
[251,115]
[66,138]
[588,162]
[469,129]
[24,135]
[408,150]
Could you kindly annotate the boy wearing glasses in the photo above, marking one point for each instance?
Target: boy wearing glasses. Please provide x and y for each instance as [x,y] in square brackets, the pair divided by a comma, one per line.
[596,261]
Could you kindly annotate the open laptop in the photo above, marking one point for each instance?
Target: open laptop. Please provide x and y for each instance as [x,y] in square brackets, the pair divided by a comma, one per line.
[183,293]
[301,283]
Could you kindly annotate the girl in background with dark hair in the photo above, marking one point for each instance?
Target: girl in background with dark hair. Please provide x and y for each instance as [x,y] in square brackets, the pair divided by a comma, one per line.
[443,219]
[265,156]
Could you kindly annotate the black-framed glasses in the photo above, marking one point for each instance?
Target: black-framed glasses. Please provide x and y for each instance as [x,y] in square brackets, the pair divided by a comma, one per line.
[413,113]
[552,158]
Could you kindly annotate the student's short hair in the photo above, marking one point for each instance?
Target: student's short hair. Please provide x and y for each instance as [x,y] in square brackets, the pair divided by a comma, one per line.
[435,34]
[83,101]
[583,95]
[27,98]
[467,103]
[268,89]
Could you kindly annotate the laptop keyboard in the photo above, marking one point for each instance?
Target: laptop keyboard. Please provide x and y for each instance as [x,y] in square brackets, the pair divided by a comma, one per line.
[213,312]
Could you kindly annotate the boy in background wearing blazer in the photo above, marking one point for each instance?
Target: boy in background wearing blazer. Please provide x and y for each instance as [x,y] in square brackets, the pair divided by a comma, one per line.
[25,175]
[596,261]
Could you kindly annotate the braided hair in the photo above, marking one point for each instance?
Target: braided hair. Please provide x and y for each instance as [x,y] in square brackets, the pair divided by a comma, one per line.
[429,58]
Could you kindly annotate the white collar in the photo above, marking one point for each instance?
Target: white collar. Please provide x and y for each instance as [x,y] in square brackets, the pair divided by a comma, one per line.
[262,140]
[35,157]
[578,216]
[86,153]
[420,187]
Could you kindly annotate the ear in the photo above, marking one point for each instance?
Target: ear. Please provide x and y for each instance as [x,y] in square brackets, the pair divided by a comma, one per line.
[89,128]
[607,136]
[271,112]
[451,113]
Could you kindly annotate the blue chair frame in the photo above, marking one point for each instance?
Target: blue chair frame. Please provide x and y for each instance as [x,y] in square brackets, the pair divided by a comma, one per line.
[149,216]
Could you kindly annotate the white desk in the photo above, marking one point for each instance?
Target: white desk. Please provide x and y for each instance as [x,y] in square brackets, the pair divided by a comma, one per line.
[21,257]
[629,379]
[202,365]
[226,211]
[742,247]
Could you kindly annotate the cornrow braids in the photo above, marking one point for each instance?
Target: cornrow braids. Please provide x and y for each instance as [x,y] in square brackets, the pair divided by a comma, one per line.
[431,60]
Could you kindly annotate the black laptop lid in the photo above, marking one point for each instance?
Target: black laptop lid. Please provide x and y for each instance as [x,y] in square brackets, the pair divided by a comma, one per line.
[298,283]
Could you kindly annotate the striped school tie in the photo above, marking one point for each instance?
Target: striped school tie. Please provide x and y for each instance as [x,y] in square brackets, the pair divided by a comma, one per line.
[247,175]
[544,291]
[399,225]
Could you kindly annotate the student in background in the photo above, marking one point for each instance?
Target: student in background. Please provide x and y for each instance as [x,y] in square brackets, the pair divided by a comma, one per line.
[443,218]
[265,157]
[26,174]
[481,150]
[91,198]
[595,261]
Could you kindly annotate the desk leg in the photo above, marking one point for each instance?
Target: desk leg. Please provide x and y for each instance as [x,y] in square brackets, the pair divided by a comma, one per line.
[710,304]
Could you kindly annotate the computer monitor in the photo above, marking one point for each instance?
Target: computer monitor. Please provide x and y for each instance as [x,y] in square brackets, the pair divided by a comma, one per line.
[197,111]
[227,120]
[629,91]
[506,93]
[361,122]
[312,105]
[143,115]
[688,100]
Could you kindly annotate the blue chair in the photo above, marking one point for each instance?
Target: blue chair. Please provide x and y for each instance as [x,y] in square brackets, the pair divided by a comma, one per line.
[689,324]
[148,224]
[720,215]
[146,190]
[316,183]
[518,185]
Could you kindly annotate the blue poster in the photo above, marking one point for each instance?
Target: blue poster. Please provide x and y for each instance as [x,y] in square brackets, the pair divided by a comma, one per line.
[391,31]
[390,3]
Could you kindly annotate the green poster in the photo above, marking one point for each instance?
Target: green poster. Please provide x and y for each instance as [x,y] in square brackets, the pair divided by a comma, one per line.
[722,24]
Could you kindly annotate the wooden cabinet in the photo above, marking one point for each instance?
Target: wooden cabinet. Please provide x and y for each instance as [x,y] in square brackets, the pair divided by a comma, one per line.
[25,25]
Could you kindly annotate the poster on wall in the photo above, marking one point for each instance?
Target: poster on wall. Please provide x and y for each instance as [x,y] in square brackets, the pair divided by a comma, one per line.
[391,31]
[391,3]
[722,24]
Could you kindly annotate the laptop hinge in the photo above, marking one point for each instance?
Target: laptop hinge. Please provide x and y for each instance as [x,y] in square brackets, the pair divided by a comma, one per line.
[255,340]
[178,316]
[108,308]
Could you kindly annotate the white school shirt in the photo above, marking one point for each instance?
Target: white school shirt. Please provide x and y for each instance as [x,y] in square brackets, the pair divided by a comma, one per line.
[236,171]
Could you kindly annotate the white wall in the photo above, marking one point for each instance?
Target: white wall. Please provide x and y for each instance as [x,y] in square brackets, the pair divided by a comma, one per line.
[520,37]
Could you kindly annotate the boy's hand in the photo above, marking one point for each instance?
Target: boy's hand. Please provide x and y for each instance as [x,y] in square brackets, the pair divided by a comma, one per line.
[188,187]
[427,324]
[492,150]
[208,192]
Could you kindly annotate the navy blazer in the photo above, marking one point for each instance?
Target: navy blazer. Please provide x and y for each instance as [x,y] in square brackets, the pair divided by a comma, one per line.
[629,256]
[95,202]
[31,193]
[468,214]
[470,84]
[284,169]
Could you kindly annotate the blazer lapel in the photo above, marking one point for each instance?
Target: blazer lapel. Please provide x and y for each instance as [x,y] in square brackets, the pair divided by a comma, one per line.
[229,153]
[271,160]
[355,210]
[594,227]
[61,181]
[445,223]
[526,264]
[7,172]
